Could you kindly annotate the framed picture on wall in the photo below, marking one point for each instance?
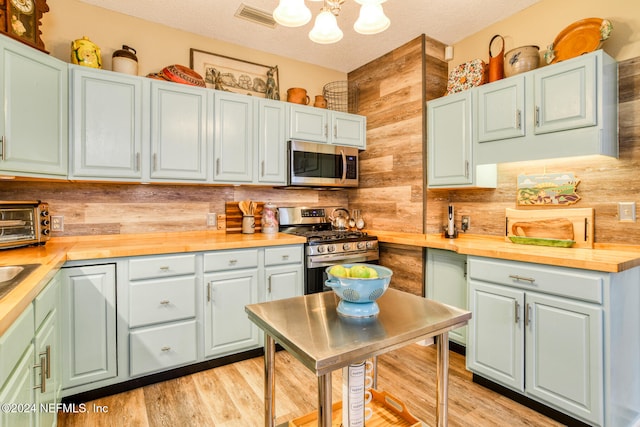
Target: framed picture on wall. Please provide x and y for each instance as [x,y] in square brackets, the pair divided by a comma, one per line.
[235,75]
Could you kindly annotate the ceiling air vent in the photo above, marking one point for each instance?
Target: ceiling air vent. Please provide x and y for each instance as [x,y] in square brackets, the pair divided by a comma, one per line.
[255,15]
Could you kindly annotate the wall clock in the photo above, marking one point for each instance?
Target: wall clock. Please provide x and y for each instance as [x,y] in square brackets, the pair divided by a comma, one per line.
[20,19]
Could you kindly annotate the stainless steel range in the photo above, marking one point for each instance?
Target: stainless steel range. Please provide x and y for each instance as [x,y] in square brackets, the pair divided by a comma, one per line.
[326,245]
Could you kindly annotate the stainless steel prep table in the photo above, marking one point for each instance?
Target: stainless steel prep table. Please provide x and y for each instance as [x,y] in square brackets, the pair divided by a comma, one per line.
[310,328]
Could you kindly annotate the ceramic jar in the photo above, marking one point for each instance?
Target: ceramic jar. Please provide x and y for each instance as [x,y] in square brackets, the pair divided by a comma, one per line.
[85,52]
[521,59]
[125,61]
[297,95]
[269,218]
[320,102]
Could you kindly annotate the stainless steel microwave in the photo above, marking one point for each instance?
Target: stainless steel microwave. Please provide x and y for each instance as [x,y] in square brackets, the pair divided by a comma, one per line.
[321,165]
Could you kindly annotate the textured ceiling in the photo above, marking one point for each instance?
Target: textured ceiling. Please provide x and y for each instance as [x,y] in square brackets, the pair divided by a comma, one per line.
[448,21]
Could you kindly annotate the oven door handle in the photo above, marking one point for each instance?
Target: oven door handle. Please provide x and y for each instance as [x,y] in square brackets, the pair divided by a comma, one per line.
[328,260]
[344,166]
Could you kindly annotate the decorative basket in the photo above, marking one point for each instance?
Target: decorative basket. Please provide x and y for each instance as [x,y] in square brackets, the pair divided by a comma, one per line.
[341,96]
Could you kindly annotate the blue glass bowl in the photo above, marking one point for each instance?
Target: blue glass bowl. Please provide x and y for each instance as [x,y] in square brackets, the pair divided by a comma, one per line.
[358,295]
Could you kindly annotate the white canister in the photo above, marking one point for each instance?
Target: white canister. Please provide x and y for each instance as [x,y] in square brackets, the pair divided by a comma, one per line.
[125,61]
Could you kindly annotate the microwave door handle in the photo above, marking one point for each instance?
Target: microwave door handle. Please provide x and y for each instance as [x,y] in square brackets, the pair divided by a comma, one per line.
[344,166]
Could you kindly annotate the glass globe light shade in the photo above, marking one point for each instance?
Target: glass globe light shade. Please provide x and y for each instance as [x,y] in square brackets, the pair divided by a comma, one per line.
[292,13]
[372,19]
[325,30]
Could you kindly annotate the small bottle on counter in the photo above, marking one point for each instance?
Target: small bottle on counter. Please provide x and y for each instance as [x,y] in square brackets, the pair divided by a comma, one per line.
[269,218]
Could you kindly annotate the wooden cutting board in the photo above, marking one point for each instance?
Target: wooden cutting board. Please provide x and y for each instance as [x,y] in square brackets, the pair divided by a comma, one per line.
[563,224]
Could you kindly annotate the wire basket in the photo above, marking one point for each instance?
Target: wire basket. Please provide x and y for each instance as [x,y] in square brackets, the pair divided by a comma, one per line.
[341,96]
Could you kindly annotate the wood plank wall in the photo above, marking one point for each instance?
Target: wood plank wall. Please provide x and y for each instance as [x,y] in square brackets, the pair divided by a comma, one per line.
[101,208]
[391,196]
[604,181]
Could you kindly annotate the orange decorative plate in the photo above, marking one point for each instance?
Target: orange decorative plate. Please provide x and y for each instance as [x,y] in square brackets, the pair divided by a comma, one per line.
[581,37]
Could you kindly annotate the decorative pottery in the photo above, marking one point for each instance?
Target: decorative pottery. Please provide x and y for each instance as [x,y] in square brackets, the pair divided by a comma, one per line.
[465,76]
[181,74]
[521,59]
[496,62]
[85,52]
[297,95]
[320,102]
[125,61]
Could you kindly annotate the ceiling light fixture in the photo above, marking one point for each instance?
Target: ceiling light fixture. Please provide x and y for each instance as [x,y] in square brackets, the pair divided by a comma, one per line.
[294,13]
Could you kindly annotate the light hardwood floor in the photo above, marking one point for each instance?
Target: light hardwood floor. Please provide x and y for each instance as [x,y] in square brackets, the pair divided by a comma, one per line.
[232,396]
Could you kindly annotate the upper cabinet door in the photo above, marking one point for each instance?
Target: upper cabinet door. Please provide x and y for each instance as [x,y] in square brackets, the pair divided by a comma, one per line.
[501,109]
[566,95]
[33,127]
[179,131]
[106,124]
[272,143]
[348,129]
[308,123]
[449,140]
[233,151]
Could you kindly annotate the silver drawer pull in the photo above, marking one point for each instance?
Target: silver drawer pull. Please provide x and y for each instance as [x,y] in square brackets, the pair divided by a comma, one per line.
[285,257]
[233,261]
[164,302]
[164,268]
[165,348]
[521,278]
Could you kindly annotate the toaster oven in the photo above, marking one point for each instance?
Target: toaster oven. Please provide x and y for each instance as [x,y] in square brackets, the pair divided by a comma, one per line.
[24,223]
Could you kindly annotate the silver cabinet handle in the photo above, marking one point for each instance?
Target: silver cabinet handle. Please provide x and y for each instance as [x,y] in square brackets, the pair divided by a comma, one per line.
[209,292]
[517,312]
[521,278]
[2,144]
[165,269]
[218,166]
[155,162]
[326,129]
[165,302]
[466,169]
[527,314]
[165,348]
[537,116]
[233,261]
[335,131]
[269,287]
[518,119]
[285,257]
[137,162]
[262,168]
[47,355]
[43,374]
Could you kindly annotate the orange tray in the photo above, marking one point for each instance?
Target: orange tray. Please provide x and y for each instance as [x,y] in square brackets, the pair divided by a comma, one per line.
[387,411]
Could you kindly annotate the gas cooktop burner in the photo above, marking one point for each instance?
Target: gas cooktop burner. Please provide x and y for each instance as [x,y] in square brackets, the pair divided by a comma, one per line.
[333,235]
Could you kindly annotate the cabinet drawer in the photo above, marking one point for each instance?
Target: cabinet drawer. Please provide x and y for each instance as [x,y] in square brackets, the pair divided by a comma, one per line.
[161,266]
[567,282]
[14,342]
[283,255]
[162,347]
[162,300]
[230,260]
[47,301]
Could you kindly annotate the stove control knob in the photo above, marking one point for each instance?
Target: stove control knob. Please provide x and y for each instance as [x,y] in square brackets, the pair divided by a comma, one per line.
[331,248]
[361,245]
[321,249]
[346,246]
[370,245]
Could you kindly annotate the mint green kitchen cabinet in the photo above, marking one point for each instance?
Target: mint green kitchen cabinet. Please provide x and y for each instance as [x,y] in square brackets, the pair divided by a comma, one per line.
[162,312]
[181,132]
[450,158]
[231,280]
[561,110]
[327,126]
[283,272]
[447,283]
[88,319]
[271,143]
[30,356]
[33,127]
[17,373]
[233,141]
[553,335]
[107,127]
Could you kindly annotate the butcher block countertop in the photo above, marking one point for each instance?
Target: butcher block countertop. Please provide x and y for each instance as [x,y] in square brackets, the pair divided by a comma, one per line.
[603,257]
[59,250]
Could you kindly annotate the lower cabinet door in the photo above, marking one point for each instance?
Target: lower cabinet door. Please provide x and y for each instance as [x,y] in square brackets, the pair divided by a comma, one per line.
[47,382]
[18,390]
[226,326]
[495,347]
[88,318]
[284,281]
[161,347]
[564,362]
